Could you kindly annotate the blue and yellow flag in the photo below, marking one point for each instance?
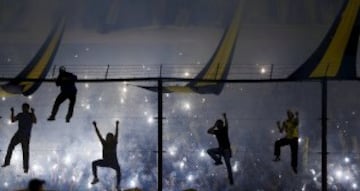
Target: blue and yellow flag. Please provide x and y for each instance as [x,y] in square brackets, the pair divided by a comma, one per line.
[217,67]
[336,55]
[38,67]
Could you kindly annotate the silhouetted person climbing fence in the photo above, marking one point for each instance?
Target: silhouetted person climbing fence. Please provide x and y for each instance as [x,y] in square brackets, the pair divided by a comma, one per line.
[25,120]
[109,155]
[221,132]
[66,81]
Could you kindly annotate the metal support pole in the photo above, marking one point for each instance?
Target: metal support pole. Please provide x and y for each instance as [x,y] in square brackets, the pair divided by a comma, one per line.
[324,135]
[107,71]
[271,71]
[160,132]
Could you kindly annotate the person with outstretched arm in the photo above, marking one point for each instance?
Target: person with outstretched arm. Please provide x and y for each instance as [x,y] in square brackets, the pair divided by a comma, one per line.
[109,155]
[25,120]
[221,131]
[290,126]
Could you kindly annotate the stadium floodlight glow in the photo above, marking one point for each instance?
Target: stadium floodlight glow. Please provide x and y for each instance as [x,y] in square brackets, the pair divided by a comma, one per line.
[263,70]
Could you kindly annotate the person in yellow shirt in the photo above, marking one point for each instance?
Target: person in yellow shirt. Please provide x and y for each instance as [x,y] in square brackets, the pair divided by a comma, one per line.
[290,125]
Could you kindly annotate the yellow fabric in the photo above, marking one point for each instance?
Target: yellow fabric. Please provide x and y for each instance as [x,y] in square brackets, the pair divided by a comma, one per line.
[291,128]
[44,60]
[330,63]
[4,93]
[223,54]
[179,89]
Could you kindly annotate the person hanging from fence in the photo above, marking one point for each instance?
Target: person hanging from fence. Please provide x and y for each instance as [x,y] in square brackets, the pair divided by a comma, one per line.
[25,119]
[290,125]
[109,155]
[66,81]
[221,131]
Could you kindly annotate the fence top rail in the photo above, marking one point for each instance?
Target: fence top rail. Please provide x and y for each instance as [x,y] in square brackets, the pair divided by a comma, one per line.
[170,79]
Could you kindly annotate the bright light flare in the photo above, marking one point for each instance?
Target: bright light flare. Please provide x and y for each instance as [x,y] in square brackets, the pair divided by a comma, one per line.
[190,177]
[339,174]
[172,150]
[346,159]
[182,164]
[235,167]
[133,181]
[150,120]
[262,70]
[187,106]
[354,186]
[67,160]
[202,153]
[313,172]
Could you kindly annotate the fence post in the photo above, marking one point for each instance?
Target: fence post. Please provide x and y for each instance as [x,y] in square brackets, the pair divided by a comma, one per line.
[324,134]
[160,131]
[107,71]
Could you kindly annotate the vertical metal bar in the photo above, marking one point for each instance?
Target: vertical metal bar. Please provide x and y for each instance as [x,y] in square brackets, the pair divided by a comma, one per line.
[324,135]
[107,71]
[160,131]
[53,72]
[271,70]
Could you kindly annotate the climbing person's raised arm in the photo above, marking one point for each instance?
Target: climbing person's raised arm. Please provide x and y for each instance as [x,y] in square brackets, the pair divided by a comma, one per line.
[98,132]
